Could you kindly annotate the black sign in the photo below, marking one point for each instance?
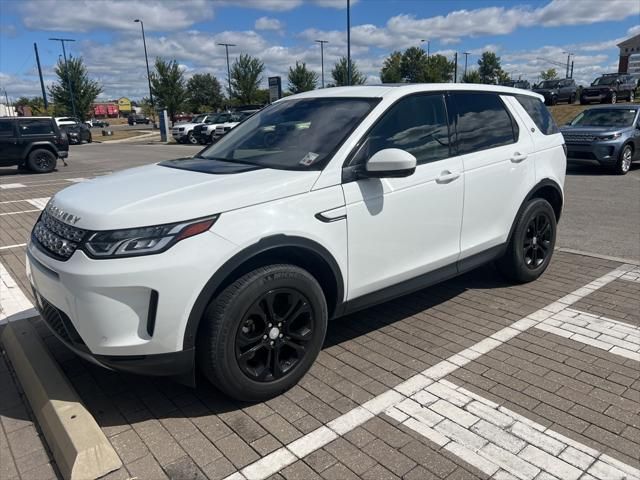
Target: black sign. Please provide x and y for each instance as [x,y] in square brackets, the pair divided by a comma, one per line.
[275,89]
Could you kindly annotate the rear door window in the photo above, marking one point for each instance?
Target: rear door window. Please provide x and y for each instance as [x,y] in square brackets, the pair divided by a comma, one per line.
[482,122]
[539,114]
[36,127]
[6,128]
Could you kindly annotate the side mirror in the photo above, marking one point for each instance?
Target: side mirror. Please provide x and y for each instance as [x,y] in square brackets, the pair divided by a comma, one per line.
[390,162]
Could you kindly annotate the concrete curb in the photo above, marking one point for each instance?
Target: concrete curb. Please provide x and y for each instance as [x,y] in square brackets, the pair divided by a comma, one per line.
[80,448]
[597,255]
[144,136]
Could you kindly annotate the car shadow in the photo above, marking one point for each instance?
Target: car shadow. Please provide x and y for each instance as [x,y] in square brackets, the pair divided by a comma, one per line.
[595,170]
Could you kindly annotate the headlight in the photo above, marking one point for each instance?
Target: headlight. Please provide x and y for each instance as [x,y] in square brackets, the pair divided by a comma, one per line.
[613,136]
[145,240]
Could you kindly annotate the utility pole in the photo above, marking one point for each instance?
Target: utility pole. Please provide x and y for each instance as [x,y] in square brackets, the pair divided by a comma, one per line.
[322,42]
[348,42]
[44,93]
[568,61]
[66,67]
[9,109]
[226,47]
[146,59]
[455,68]
[428,47]
[466,56]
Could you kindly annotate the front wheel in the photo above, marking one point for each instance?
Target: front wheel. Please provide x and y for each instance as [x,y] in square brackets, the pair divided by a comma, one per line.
[192,138]
[631,97]
[531,246]
[614,98]
[263,332]
[623,165]
[572,99]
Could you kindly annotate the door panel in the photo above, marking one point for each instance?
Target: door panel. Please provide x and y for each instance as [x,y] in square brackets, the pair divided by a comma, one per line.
[496,179]
[10,148]
[400,228]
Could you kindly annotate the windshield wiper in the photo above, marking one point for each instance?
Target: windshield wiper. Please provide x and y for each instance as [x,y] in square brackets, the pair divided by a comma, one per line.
[228,160]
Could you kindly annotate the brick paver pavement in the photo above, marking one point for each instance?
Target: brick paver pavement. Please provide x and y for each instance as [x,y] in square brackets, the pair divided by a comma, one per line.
[538,400]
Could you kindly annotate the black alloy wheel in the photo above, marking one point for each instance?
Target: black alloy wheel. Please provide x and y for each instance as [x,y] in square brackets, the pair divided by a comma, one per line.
[537,240]
[41,161]
[272,337]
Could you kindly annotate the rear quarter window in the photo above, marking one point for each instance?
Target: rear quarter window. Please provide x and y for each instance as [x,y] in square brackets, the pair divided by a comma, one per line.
[36,127]
[539,114]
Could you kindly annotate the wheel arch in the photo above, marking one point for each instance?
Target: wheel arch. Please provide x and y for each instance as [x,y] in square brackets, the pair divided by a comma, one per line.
[298,251]
[547,189]
[39,146]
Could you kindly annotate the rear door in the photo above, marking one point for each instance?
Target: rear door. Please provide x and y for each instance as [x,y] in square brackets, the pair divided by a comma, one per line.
[498,173]
[10,148]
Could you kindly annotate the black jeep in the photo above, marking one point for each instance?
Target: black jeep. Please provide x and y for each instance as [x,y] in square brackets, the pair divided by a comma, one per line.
[35,143]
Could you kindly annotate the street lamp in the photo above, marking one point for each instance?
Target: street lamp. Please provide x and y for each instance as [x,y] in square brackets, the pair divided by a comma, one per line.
[322,42]
[146,59]
[226,47]
[569,54]
[428,46]
[66,67]
[349,42]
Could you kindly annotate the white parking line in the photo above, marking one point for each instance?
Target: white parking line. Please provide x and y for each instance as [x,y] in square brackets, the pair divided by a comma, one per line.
[499,441]
[39,202]
[77,180]
[21,211]
[611,335]
[9,186]
[14,305]
[284,456]
[7,247]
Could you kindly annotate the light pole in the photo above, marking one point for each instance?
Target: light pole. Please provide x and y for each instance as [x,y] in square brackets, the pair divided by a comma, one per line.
[322,42]
[66,67]
[428,46]
[146,59]
[466,56]
[349,42]
[226,47]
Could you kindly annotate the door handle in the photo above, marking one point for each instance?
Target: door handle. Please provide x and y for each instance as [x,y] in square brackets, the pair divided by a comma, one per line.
[518,157]
[446,177]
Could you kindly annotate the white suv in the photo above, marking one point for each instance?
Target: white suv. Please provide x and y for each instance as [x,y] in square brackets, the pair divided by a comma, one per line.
[317,206]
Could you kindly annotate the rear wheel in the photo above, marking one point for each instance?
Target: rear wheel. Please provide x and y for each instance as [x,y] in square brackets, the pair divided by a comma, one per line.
[41,161]
[531,246]
[614,97]
[263,332]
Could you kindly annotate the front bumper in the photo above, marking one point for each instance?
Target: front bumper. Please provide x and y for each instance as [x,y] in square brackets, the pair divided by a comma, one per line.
[130,313]
[590,97]
[604,153]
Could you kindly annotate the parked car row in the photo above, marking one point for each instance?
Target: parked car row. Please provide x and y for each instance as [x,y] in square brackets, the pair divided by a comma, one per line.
[208,127]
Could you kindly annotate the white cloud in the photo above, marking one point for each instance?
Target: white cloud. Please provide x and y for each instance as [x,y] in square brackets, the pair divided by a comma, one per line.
[267,23]
[87,15]
[635,30]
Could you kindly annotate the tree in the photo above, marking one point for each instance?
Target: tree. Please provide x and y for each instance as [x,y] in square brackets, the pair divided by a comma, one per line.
[439,69]
[301,79]
[168,86]
[339,73]
[391,69]
[204,93]
[84,89]
[246,75]
[147,108]
[489,68]
[36,104]
[413,65]
[550,74]
[472,76]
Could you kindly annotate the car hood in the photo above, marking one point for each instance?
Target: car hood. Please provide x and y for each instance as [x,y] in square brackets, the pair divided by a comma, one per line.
[189,125]
[568,129]
[599,88]
[157,194]
[542,91]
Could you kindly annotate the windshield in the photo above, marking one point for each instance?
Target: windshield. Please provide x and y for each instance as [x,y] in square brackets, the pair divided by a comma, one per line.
[603,117]
[549,84]
[604,81]
[292,134]
[198,119]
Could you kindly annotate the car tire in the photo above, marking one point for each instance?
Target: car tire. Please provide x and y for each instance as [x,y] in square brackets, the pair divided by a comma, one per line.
[41,161]
[90,139]
[554,100]
[583,102]
[191,138]
[241,354]
[572,99]
[623,165]
[531,246]
[614,98]
[631,97]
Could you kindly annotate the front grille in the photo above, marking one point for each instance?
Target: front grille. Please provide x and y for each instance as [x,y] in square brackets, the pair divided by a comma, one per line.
[55,238]
[59,323]
[581,155]
[573,138]
[199,128]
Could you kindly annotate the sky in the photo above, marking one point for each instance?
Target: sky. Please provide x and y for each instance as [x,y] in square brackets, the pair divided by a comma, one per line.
[526,34]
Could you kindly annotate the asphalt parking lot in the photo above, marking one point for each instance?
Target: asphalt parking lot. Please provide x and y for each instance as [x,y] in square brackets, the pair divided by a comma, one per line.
[473,378]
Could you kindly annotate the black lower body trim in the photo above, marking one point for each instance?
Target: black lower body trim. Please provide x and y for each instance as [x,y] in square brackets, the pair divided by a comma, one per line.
[422,281]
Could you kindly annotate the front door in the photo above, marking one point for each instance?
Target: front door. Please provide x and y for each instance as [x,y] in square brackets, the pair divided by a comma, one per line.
[402,228]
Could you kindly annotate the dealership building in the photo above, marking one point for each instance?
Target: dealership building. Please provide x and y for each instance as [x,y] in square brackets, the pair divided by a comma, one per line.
[629,48]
